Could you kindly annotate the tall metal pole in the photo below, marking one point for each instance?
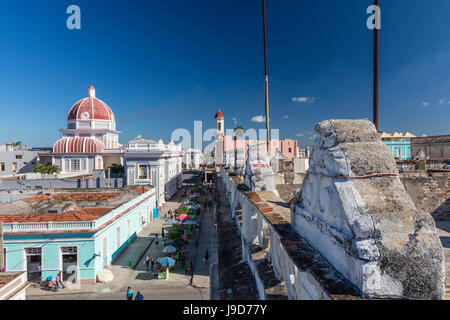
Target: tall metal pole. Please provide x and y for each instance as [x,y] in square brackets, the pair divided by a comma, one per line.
[266,76]
[376,62]
[2,261]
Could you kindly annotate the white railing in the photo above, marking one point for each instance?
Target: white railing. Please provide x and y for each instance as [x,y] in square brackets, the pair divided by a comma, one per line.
[46,226]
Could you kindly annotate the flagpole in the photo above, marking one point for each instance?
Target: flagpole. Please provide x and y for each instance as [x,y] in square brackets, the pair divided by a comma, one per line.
[376,65]
[266,76]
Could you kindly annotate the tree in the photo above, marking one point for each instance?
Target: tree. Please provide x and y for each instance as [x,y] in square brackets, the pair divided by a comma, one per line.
[116,168]
[16,144]
[239,131]
[184,210]
[49,169]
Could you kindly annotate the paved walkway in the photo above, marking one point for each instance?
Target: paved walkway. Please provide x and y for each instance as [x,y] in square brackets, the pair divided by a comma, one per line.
[119,268]
[179,285]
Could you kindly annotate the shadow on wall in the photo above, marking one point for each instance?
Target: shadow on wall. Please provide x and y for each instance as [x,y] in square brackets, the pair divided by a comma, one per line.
[442,212]
[28,168]
[445,242]
[281,204]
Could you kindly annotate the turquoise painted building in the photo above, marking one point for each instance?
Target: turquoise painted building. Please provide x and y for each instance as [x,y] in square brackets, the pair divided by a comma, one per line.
[78,248]
[399,144]
[400,149]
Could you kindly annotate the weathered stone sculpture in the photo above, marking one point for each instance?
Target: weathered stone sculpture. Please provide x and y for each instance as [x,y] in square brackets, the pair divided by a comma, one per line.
[354,209]
[259,175]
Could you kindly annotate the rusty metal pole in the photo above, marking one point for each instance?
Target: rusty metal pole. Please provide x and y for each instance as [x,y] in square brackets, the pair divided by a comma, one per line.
[266,76]
[2,260]
[376,62]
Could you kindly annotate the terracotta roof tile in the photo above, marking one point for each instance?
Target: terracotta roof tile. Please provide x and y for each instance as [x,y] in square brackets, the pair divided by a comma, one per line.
[74,196]
[141,190]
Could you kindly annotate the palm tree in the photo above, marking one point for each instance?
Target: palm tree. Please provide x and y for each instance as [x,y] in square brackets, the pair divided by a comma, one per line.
[117,168]
[239,131]
[16,144]
[50,169]
[39,168]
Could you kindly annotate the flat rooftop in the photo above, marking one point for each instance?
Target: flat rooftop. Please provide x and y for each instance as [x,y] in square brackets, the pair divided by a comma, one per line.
[66,206]
[7,277]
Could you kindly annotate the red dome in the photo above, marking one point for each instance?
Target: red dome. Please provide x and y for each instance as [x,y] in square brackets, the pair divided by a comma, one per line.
[90,108]
[78,145]
[219,114]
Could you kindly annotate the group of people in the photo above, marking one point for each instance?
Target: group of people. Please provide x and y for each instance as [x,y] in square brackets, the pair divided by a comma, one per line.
[58,282]
[149,262]
[130,295]
[173,214]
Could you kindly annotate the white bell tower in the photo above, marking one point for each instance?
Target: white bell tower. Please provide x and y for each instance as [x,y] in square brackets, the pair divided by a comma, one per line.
[219,142]
[220,122]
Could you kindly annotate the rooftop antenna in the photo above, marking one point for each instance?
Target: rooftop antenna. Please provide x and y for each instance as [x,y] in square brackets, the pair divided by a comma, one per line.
[266,75]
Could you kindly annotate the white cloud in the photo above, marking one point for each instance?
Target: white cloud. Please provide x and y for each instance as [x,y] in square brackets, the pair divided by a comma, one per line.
[425,104]
[424,135]
[313,137]
[442,101]
[299,134]
[304,99]
[286,116]
[258,119]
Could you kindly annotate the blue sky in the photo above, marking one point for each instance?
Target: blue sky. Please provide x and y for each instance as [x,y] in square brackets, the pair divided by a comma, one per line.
[160,65]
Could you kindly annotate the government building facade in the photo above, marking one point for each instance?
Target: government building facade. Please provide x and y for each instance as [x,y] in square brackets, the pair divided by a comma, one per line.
[91,143]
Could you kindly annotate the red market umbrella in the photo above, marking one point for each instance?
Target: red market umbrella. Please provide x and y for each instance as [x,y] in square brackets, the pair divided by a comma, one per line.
[183,217]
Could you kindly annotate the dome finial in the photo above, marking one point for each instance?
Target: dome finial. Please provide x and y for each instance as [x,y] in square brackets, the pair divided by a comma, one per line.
[91,91]
[219,114]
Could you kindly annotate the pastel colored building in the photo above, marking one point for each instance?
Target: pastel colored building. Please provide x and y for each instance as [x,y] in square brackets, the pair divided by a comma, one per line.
[90,141]
[399,144]
[18,160]
[78,233]
[225,145]
[192,158]
[154,162]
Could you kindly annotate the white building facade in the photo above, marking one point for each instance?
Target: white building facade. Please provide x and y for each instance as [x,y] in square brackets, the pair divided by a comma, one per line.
[90,141]
[192,158]
[155,163]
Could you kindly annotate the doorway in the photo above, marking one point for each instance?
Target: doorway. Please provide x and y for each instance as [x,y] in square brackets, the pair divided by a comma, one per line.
[34,264]
[69,258]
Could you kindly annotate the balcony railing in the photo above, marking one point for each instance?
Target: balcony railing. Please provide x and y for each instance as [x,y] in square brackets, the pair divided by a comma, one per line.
[71,225]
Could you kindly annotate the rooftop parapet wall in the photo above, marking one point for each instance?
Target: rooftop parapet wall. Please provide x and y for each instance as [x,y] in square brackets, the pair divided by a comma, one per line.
[353,208]
[283,263]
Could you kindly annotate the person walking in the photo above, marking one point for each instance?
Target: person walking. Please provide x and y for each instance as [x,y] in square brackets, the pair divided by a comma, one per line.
[129,294]
[139,296]
[162,232]
[190,268]
[147,262]
[58,282]
[157,241]
[152,263]
[206,256]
